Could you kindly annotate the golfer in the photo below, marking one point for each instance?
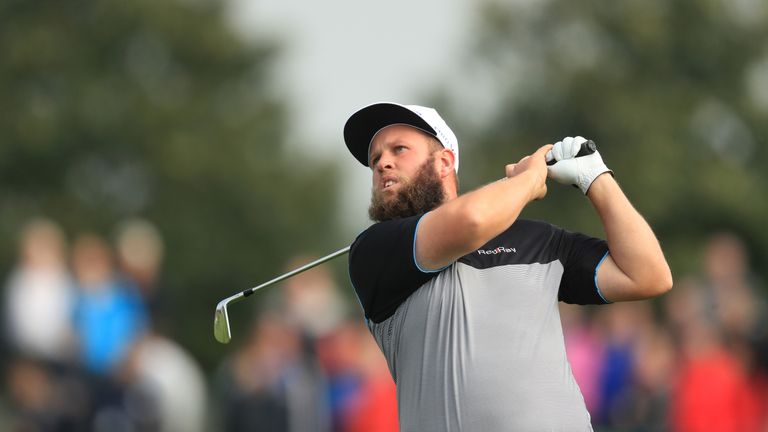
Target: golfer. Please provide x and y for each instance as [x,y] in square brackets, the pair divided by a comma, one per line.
[461,294]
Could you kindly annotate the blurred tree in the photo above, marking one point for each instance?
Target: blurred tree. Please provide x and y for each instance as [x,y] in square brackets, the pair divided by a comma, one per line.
[112,109]
[674,93]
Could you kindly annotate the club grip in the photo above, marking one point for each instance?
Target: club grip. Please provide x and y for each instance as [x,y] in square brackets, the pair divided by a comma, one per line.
[587,148]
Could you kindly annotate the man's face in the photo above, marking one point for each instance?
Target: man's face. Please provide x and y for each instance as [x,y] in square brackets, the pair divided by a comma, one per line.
[405,176]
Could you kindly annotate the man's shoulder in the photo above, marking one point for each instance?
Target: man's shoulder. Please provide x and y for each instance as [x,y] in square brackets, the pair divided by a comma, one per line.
[382,267]
[389,228]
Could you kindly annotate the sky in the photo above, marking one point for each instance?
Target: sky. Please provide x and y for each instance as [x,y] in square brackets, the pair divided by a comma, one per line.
[340,55]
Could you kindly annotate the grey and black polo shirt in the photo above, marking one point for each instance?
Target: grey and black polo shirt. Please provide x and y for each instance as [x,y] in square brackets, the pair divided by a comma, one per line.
[478,345]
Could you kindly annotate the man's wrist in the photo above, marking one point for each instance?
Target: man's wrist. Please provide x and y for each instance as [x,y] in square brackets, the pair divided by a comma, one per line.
[521,181]
[530,182]
[599,185]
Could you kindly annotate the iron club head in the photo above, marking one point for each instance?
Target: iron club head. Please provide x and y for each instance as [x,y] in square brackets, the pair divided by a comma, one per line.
[221,323]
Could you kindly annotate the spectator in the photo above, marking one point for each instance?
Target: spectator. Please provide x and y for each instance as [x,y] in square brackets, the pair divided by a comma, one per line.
[622,325]
[655,362]
[39,294]
[267,385]
[109,316]
[730,294]
[30,389]
[140,253]
[164,382]
[168,386]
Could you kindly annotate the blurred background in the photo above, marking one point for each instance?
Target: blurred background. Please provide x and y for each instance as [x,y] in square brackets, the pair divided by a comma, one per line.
[158,156]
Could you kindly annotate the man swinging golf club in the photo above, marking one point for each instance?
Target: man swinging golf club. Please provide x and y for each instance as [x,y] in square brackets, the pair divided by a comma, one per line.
[461,295]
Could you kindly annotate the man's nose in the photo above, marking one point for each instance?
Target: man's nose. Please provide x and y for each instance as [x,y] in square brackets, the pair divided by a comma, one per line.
[385,162]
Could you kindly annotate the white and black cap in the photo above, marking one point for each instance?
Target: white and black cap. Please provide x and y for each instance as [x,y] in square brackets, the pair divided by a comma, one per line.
[363,126]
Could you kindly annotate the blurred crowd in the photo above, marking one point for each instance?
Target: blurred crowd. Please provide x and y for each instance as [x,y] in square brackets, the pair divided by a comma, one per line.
[693,360]
[85,349]
[82,341]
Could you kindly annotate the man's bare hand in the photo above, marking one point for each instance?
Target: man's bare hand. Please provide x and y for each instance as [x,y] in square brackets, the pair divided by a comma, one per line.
[534,165]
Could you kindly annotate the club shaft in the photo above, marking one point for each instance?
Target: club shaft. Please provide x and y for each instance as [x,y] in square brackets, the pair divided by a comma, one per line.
[292,273]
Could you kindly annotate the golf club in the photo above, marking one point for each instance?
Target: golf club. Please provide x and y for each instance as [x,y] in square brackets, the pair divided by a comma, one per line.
[221,329]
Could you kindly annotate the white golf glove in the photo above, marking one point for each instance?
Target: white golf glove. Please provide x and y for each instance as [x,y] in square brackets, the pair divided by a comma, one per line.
[577,171]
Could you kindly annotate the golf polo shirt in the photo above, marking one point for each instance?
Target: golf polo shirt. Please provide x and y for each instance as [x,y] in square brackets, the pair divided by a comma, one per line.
[478,345]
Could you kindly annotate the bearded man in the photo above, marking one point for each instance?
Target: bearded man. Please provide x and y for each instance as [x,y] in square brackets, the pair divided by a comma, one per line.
[461,294]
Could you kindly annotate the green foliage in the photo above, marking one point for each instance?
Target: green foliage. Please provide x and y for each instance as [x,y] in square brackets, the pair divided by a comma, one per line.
[668,91]
[114,109]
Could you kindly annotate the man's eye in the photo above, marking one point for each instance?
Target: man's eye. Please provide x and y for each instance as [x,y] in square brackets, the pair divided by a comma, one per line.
[399,149]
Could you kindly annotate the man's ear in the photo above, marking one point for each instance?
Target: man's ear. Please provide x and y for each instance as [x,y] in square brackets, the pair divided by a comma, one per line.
[446,160]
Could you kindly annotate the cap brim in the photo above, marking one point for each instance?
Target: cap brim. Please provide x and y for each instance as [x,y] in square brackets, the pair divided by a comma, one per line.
[363,125]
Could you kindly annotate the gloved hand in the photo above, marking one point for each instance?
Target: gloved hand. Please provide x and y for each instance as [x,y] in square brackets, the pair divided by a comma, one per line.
[577,171]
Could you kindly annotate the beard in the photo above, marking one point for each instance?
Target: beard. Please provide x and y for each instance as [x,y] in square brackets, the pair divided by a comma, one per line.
[420,195]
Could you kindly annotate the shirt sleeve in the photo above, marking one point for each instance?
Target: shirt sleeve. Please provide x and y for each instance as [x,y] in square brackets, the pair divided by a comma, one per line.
[581,256]
[382,267]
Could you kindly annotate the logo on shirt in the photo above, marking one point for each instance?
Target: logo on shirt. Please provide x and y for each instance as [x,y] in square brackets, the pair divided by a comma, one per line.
[498,250]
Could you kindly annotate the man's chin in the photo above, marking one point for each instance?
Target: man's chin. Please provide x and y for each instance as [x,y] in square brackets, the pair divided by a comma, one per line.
[388,193]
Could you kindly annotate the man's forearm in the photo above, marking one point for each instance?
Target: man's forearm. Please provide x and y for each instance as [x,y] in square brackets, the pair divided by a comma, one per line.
[494,207]
[631,241]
